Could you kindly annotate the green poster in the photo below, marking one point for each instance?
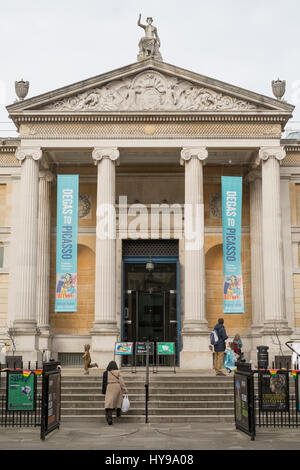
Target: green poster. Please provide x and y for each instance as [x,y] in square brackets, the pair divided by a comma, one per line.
[165,348]
[21,389]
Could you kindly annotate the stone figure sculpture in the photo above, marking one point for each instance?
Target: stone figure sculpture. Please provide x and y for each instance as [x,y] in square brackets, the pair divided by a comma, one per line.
[87,360]
[149,44]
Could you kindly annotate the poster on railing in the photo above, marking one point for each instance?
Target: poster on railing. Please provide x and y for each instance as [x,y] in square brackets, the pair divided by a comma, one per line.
[297,378]
[274,390]
[21,391]
[233,298]
[66,243]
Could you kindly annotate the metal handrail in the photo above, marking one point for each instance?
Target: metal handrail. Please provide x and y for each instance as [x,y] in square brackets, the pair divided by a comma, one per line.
[293,350]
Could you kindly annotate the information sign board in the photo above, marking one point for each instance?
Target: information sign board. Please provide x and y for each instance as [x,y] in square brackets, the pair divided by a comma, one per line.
[51,397]
[243,402]
[167,349]
[123,348]
[141,348]
[20,391]
[53,417]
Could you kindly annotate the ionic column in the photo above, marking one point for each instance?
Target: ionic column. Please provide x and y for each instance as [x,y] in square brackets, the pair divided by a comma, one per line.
[195,323]
[25,321]
[274,292]
[13,249]
[43,258]
[287,248]
[105,329]
[257,275]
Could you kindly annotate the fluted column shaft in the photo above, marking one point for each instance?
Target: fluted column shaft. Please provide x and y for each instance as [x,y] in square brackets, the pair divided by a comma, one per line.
[27,238]
[257,274]
[274,295]
[43,248]
[194,268]
[13,251]
[105,272]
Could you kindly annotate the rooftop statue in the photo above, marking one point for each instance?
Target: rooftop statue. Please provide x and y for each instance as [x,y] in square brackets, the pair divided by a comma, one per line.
[149,44]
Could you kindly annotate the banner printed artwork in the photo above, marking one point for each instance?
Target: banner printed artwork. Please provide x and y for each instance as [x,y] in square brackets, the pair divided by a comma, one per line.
[66,243]
[233,298]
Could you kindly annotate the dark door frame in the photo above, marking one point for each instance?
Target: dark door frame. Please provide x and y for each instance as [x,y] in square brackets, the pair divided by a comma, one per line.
[162,260]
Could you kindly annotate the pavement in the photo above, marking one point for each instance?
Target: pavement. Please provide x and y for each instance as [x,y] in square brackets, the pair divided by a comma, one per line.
[145,437]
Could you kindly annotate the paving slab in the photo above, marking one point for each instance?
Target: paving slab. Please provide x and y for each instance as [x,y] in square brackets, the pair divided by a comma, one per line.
[123,436]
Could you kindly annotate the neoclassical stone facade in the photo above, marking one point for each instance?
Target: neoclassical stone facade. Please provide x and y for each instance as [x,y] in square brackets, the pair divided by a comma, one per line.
[149,134]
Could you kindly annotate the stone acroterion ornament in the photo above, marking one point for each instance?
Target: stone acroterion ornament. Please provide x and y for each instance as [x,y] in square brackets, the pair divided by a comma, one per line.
[278,88]
[21,88]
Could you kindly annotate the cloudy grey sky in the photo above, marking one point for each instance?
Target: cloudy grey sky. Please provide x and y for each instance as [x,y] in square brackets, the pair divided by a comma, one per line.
[53,43]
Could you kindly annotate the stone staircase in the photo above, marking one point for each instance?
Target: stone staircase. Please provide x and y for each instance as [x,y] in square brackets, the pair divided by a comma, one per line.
[177,398]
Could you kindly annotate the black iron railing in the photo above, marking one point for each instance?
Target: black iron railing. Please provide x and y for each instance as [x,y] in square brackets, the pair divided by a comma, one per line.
[20,418]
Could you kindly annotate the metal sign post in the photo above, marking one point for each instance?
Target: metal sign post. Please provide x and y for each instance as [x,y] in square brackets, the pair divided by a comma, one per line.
[51,398]
[147,379]
[124,349]
[244,406]
[141,349]
[165,349]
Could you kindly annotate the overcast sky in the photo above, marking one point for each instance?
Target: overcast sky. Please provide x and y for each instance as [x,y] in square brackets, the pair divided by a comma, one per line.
[53,43]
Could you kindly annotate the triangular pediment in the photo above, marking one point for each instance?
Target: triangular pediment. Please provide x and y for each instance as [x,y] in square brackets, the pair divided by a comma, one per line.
[150,86]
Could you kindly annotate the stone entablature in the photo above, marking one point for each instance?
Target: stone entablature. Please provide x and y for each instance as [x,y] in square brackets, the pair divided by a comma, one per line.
[152,129]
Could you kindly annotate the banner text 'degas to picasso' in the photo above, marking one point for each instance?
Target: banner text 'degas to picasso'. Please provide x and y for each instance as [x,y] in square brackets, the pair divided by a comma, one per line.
[66,243]
[233,301]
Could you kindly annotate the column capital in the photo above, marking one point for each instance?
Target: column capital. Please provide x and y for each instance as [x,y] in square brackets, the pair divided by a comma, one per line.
[187,153]
[46,175]
[29,152]
[271,152]
[105,152]
[253,175]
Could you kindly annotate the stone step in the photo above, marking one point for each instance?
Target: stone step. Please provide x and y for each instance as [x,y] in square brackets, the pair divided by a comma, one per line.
[152,378]
[169,383]
[153,411]
[164,398]
[152,404]
[151,419]
[152,391]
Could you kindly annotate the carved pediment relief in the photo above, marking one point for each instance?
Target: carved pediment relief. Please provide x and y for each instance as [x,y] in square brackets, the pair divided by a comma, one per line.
[150,91]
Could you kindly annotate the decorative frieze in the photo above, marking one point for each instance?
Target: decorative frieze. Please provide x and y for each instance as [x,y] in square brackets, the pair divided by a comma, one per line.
[150,91]
[178,128]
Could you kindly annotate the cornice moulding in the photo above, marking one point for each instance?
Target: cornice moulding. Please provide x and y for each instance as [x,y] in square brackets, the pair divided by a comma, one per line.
[151,65]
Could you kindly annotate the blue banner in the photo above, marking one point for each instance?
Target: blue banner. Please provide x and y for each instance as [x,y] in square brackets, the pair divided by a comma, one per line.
[233,299]
[66,243]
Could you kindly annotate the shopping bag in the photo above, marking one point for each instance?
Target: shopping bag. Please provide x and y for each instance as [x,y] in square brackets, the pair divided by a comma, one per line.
[125,404]
[229,360]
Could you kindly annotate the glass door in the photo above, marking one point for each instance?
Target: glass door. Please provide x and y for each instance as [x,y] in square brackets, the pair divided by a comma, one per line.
[150,306]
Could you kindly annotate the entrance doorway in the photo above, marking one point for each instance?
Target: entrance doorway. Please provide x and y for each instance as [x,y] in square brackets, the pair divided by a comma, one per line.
[151,303]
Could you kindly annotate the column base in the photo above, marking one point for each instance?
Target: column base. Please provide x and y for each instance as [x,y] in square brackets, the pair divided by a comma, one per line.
[104,335]
[45,342]
[195,352]
[26,339]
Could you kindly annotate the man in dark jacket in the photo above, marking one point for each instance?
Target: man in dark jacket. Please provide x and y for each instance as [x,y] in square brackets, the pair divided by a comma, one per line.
[220,346]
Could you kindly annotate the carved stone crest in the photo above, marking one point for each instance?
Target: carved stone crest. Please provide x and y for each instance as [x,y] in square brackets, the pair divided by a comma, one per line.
[215,206]
[151,91]
[84,206]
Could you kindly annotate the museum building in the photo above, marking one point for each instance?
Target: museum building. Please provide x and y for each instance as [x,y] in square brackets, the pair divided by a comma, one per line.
[148,139]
